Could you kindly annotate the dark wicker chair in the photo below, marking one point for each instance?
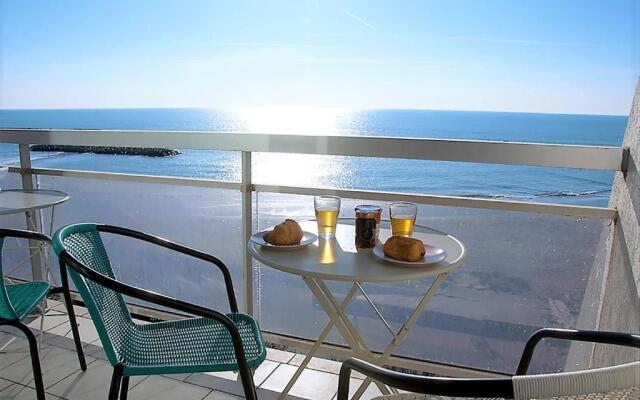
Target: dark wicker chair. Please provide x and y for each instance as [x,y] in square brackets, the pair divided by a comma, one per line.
[619,382]
[18,301]
[210,342]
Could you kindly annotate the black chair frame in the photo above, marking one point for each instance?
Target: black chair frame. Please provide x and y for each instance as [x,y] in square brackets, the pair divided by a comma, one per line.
[474,387]
[33,344]
[119,382]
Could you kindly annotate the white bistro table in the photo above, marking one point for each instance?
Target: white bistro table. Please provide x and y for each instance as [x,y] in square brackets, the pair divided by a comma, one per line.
[338,259]
[13,201]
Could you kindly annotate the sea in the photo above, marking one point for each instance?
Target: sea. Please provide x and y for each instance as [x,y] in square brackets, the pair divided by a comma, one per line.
[556,185]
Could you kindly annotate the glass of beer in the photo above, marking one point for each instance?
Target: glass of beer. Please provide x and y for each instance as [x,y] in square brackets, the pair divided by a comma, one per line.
[327,210]
[403,216]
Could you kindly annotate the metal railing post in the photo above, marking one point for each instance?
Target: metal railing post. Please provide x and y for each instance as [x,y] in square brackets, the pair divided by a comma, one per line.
[32,221]
[247,221]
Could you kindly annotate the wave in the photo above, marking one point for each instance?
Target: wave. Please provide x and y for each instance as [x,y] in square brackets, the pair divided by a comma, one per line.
[496,195]
[523,196]
[562,193]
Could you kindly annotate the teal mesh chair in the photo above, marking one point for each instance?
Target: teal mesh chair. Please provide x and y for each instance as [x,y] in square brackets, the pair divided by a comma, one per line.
[209,342]
[18,301]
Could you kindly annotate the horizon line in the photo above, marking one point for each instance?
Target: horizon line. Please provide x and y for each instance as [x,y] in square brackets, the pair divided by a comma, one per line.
[342,109]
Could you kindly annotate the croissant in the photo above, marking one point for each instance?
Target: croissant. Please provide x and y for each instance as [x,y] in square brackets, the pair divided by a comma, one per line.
[287,233]
[404,248]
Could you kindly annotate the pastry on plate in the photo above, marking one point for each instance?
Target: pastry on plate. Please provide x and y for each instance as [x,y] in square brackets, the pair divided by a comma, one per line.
[404,249]
[287,233]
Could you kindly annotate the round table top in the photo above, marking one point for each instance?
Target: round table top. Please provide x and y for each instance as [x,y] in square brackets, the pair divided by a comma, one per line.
[20,200]
[338,259]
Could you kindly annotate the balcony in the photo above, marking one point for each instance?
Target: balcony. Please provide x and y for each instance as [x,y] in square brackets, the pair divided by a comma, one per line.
[476,326]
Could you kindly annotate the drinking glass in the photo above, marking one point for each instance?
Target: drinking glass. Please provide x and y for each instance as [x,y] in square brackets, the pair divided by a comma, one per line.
[403,217]
[327,210]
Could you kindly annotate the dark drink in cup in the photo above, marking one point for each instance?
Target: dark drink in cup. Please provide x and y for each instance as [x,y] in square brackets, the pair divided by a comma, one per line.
[367,225]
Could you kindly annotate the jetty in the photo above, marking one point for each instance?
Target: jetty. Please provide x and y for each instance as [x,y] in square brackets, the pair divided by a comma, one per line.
[129,151]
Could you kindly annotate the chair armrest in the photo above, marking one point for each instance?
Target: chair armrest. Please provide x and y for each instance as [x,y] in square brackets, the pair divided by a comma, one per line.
[22,234]
[615,338]
[159,299]
[233,304]
[463,387]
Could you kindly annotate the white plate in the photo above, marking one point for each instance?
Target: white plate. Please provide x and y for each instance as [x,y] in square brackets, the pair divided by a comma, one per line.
[307,239]
[432,255]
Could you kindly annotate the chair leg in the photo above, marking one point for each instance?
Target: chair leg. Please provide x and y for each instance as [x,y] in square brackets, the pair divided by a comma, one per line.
[247,383]
[35,358]
[72,316]
[41,335]
[124,390]
[116,381]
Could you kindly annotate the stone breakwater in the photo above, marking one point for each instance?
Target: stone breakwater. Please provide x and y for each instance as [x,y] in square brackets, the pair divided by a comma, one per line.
[129,151]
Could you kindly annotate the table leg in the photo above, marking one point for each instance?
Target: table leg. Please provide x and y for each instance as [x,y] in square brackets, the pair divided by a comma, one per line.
[352,329]
[342,322]
[312,351]
[42,247]
[404,330]
[335,317]
[36,267]
[45,252]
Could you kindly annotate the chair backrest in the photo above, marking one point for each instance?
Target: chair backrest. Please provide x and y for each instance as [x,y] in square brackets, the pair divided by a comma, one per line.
[6,309]
[621,382]
[106,307]
[617,382]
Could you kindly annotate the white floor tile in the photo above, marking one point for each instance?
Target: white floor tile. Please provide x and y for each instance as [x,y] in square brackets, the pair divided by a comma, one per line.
[215,395]
[88,332]
[19,392]
[50,321]
[13,350]
[314,385]
[78,310]
[160,388]
[320,364]
[371,391]
[280,356]
[205,379]
[5,384]
[56,363]
[90,384]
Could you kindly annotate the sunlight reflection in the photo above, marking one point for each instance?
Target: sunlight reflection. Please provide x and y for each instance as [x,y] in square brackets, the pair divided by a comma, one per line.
[327,251]
[301,170]
[291,120]
[296,169]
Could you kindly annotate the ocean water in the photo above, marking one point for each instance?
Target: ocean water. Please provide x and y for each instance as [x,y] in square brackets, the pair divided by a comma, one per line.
[431,177]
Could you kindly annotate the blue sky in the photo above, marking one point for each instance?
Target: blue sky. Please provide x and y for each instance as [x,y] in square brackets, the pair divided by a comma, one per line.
[539,56]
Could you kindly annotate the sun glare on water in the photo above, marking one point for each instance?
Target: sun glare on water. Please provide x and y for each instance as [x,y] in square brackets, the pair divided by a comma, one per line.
[295,169]
[291,120]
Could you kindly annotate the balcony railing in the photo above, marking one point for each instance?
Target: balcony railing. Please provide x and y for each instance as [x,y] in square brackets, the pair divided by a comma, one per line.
[527,154]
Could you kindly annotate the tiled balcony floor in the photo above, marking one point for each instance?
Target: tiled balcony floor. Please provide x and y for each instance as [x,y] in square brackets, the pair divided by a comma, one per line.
[64,380]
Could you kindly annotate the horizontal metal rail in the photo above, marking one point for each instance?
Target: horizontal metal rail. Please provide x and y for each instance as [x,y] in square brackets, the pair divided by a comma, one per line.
[117,176]
[512,153]
[448,201]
